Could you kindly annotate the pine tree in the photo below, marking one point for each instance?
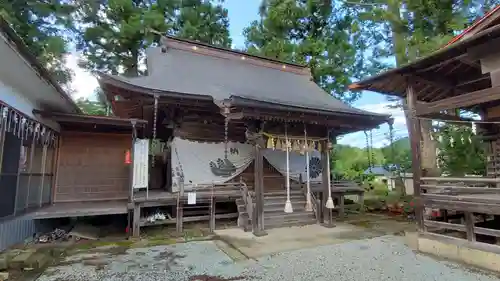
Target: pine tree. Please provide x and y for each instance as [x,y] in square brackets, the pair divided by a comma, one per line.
[115,33]
[315,33]
[43,27]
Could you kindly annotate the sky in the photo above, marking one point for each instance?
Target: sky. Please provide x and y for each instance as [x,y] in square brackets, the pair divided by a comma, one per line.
[241,14]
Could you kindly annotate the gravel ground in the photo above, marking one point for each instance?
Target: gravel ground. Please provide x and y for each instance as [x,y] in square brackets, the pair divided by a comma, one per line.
[382,258]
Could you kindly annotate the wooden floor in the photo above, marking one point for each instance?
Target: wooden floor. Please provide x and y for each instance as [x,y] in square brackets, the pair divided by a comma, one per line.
[165,197]
[81,209]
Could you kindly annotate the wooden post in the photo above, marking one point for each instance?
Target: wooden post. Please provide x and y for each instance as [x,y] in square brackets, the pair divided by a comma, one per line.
[341,206]
[180,216]
[361,202]
[136,228]
[259,191]
[212,214]
[469,226]
[135,220]
[415,134]
[55,168]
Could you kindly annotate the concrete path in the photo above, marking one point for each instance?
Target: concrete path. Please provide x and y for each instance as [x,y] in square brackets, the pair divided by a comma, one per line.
[292,238]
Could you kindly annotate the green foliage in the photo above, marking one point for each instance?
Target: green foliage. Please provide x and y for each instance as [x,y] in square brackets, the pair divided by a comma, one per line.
[460,151]
[350,162]
[98,107]
[115,33]
[42,26]
[317,33]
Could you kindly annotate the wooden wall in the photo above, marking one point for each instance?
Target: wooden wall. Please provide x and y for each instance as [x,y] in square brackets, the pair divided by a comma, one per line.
[493,112]
[91,167]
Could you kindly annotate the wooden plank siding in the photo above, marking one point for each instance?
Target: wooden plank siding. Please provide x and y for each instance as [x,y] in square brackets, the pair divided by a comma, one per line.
[92,167]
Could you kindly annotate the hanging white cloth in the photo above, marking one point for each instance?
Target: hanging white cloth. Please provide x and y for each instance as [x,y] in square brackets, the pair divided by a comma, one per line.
[297,164]
[204,163]
[140,164]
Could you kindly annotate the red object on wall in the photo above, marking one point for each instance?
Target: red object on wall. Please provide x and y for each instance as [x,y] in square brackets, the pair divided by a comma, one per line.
[128,159]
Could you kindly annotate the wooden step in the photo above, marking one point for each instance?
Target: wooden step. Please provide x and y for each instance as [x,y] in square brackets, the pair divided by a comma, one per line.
[280,208]
[283,198]
[283,193]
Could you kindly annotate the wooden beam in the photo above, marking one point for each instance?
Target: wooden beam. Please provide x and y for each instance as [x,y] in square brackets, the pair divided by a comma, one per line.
[447,118]
[461,101]
[414,131]
[487,231]
[475,207]
[445,225]
[437,82]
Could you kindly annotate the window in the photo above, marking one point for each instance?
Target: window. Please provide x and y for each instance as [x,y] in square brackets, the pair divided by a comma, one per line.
[26,157]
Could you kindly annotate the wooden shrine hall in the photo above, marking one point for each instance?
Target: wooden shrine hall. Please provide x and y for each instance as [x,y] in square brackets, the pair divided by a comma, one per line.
[211,127]
[463,75]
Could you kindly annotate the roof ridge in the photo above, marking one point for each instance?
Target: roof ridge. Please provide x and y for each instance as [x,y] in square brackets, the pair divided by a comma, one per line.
[207,49]
[473,25]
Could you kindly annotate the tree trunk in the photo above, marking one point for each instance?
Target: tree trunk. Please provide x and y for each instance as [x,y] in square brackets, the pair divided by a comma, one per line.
[428,146]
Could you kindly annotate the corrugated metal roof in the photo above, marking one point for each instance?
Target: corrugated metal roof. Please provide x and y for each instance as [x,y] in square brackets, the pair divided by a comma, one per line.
[191,73]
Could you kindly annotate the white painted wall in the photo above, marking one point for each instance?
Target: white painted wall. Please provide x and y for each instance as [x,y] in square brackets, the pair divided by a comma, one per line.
[22,103]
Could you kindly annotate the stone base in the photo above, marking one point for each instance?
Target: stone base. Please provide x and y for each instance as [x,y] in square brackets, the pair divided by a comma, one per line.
[481,255]
[328,225]
[259,233]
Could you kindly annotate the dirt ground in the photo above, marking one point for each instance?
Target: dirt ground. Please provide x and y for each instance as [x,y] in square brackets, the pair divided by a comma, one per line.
[364,247]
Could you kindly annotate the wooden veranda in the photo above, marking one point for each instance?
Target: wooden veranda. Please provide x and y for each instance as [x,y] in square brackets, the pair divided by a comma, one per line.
[464,75]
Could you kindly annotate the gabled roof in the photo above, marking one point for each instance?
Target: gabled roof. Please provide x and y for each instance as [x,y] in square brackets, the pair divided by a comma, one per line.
[8,34]
[489,19]
[197,70]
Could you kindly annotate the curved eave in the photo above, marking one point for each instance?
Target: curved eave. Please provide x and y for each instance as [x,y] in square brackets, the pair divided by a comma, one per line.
[241,101]
[394,81]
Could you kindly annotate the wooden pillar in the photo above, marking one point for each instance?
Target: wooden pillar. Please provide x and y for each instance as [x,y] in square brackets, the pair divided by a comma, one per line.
[212,214]
[469,226]
[136,228]
[259,191]
[326,213]
[415,134]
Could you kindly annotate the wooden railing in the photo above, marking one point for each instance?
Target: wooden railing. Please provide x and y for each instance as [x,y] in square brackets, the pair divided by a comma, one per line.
[466,196]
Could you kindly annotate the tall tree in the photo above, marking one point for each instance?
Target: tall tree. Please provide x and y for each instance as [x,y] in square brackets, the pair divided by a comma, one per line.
[115,33]
[43,27]
[316,33]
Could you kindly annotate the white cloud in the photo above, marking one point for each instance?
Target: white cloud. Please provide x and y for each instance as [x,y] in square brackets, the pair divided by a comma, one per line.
[84,83]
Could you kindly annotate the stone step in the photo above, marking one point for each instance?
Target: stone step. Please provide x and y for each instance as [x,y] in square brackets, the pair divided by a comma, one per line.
[289,223]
